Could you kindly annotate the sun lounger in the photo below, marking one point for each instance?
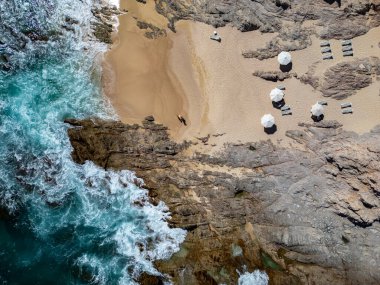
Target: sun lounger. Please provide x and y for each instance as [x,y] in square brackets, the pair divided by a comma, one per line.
[347,111]
[324,44]
[345,105]
[346,42]
[322,103]
[326,50]
[216,38]
[346,48]
[286,112]
[348,53]
[285,107]
[327,56]
[281,87]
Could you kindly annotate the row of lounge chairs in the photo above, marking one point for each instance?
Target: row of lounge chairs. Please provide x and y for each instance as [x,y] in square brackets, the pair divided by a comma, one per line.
[347,48]
[286,110]
[326,50]
[346,108]
[327,53]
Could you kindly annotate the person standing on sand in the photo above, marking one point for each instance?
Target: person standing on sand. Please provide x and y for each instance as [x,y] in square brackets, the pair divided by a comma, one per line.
[182,119]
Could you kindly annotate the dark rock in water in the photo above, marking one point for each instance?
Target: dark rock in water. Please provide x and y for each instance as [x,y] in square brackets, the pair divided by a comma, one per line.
[307,215]
[26,30]
[146,279]
[344,79]
[103,26]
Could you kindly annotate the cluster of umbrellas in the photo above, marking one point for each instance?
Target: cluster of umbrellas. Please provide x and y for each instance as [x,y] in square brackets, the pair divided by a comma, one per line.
[277,95]
[268,121]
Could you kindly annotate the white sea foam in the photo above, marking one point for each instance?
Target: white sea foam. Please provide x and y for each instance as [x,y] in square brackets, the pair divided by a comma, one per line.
[116,232]
[143,234]
[115,2]
[256,277]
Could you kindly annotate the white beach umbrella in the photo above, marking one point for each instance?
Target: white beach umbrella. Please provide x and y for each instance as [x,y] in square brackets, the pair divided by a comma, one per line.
[276,95]
[317,110]
[284,58]
[267,121]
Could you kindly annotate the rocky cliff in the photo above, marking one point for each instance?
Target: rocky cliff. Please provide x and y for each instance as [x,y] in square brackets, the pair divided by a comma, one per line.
[307,214]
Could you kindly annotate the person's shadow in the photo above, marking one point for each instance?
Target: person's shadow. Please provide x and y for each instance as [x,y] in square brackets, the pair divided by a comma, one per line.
[286,68]
[271,130]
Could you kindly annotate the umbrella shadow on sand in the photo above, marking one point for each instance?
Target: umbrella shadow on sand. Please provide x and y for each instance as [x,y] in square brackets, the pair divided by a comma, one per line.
[271,130]
[286,68]
[279,104]
[317,118]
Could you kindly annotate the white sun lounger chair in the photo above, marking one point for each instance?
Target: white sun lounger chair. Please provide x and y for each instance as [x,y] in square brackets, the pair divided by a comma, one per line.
[286,112]
[324,44]
[285,108]
[347,111]
[346,48]
[348,53]
[345,105]
[326,50]
[346,42]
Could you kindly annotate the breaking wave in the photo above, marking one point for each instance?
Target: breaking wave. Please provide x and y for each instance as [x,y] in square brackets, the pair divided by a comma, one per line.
[63,223]
[256,277]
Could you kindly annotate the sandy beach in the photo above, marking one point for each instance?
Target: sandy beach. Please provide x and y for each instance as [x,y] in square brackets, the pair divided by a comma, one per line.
[211,83]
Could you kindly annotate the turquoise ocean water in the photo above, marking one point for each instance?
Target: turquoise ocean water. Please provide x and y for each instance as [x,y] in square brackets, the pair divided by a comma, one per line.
[63,223]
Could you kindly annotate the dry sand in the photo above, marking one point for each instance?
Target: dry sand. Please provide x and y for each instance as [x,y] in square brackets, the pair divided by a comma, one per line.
[211,84]
[137,77]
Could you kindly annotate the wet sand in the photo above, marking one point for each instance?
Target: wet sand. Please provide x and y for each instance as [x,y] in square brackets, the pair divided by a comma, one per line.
[212,86]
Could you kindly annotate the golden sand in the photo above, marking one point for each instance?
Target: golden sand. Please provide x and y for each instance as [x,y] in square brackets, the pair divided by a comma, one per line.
[212,86]
[138,79]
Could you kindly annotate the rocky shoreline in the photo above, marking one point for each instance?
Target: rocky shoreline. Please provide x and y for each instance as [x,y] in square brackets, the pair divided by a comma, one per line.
[308,214]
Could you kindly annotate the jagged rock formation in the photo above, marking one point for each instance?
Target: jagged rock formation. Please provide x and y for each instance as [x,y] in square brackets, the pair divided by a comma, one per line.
[344,79]
[290,39]
[103,26]
[39,23]
[308,215]
[273,75]
[358,16]
[153,32]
